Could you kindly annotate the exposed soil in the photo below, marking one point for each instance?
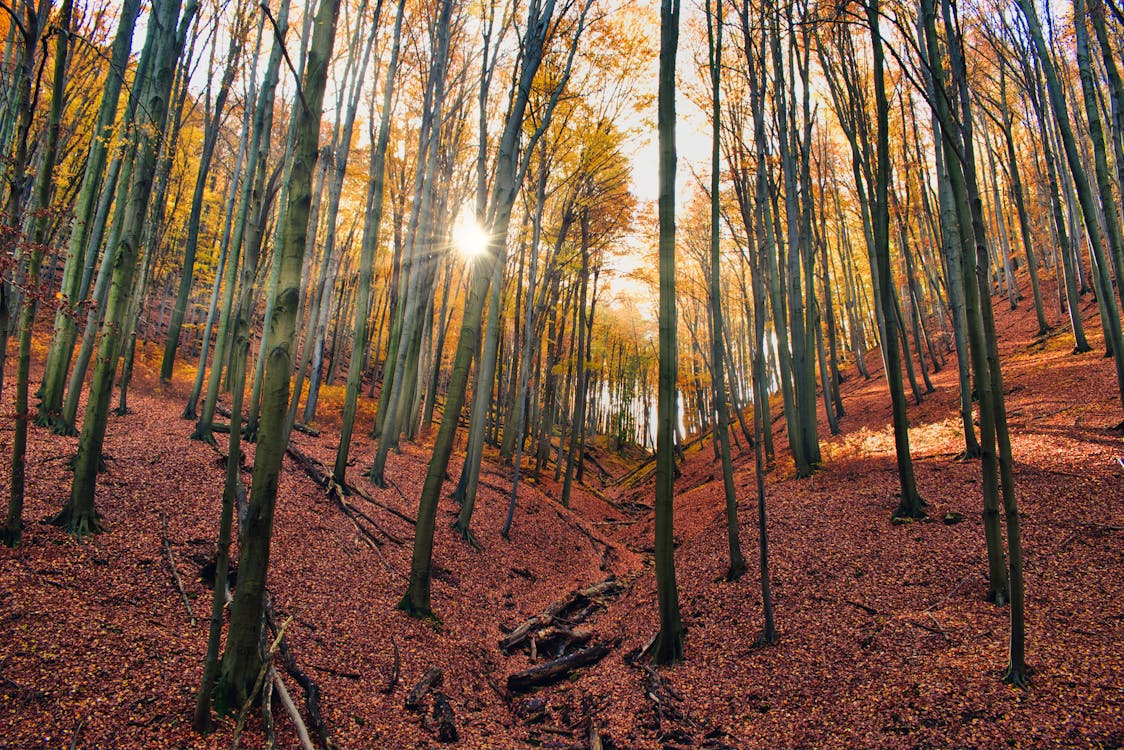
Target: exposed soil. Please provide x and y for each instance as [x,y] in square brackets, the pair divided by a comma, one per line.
[885,638]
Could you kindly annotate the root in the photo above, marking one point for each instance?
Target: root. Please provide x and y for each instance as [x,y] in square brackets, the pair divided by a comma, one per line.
[11,536]
[78,523]
[998,598]
[466,535]
[418,613]
[204,433]
[909,509]
[102,467]
[1017,677]
[735,572]
[55,423]
[765,639]
[376,478]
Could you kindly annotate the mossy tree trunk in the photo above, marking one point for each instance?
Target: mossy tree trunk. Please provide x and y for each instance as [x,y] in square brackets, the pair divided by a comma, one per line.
[241,659]
[10,534]
[910,505]
[78,247]
[79,516]
[377,177]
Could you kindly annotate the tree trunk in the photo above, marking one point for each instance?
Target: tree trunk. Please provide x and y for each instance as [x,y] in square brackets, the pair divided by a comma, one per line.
[668,648]
[78,246]
[10,534]
[375,190]
[210,140]
[910,505]
[241,660]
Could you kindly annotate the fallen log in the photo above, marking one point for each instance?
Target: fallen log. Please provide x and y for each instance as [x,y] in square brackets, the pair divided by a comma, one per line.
[318,473]
[570,611]
[306,429]
[558,669]
[431,679]
[310,688]
[443,721]
[556,640]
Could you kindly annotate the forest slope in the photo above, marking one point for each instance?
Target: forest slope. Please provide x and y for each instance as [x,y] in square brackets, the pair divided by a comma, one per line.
[885,640]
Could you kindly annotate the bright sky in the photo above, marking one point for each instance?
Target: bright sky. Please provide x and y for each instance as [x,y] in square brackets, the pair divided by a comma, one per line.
[692,140]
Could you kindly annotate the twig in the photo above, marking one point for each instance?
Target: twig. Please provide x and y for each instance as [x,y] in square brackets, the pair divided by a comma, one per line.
[949,595]
[384,506]
[77,731]
[857,605]
[349,508]
[266,665]
[291,710]
[401,494]
[172,565]
[311,689]
[395,667]
[336,672]
[1089,530]
[927,628]
[373,543]
[267,715]
[280,38]
[488,668]
[938,624]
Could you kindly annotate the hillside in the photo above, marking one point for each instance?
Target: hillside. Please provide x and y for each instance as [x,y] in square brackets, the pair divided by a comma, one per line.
[885,639]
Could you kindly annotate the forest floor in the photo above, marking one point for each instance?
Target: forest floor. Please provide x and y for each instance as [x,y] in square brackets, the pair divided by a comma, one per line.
[885,637]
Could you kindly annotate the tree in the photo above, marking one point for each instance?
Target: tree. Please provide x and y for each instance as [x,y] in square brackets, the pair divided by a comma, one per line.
[910,505]
[511,166]
[668,647]
[212,127]
[80,246]
[10,534]
[79,516]
[714,23]
[377,176]
[232,490]
[1089,208]
[241,659]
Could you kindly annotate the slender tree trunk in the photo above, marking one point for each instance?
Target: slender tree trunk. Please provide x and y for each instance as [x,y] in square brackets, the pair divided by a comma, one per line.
[79,517]
[577,421]
[1089,207]
[210,140]
[668,647]
[78,246]
[1068,272]
[714,23]
[511,167]
[10,534]
[1020,207]
[910,505]
[975,285]
[367,254]
[241,660]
